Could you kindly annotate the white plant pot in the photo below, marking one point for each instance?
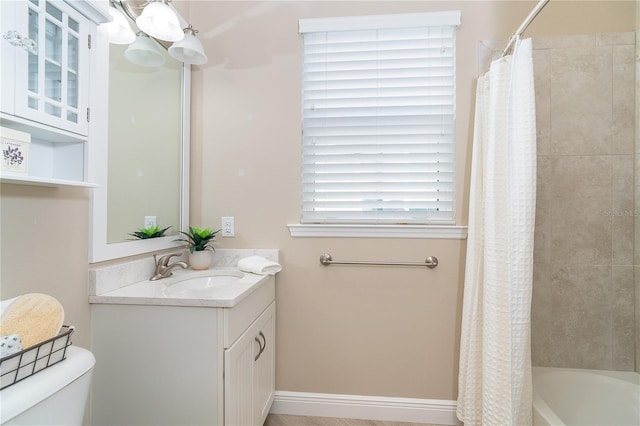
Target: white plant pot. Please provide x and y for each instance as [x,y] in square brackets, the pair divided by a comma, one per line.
[201,260]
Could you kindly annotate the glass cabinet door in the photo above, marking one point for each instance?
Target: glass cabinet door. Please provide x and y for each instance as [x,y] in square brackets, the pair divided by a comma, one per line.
[51,80]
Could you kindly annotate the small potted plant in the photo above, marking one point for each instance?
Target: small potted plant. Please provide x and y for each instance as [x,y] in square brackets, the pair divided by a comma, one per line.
[149,232]
[200,244]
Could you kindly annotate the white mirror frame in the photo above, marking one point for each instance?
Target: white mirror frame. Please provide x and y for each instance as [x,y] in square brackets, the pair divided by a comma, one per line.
[99,249]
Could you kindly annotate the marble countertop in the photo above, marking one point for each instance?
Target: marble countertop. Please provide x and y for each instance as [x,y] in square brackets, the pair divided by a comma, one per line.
[235,286]
[128,282]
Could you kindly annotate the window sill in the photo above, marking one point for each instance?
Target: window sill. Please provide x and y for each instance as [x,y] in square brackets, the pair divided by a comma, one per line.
[379,231]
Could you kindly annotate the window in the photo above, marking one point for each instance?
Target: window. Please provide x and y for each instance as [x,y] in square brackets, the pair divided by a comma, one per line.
[378,119]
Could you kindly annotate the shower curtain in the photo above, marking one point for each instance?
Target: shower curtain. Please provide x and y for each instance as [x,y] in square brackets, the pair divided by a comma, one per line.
[495,357]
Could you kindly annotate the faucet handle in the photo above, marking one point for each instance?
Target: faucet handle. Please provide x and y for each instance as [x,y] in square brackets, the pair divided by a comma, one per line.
[164,260]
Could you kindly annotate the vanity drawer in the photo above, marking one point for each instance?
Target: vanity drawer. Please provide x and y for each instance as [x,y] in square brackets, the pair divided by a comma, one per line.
[238,318]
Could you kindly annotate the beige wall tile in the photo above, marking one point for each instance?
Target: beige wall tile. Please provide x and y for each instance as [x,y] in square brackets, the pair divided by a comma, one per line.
[581,113]
[636,212]
[581,310]
[616,39]
[541,319]
[542,234]
[623,312]
[566,42]
[542,77]
[622,210]
[623,99]
[636,278]
[585,214]
[637,200]
[622,240]
[581,197]
[622,183]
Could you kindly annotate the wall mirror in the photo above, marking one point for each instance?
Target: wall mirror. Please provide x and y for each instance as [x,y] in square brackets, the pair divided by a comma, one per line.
[141,165]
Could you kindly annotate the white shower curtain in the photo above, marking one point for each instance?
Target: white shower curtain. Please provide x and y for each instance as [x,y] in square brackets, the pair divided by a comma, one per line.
[495,357]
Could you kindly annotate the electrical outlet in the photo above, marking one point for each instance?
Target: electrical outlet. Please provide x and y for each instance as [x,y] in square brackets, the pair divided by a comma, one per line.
[150,221]
[228,227]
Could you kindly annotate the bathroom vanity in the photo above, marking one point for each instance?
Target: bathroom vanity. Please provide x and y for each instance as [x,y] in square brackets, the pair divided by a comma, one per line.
[184,351]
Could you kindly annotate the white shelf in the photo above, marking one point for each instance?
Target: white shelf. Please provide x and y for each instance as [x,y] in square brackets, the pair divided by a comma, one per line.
[56,157]
[39,130]
[40,181]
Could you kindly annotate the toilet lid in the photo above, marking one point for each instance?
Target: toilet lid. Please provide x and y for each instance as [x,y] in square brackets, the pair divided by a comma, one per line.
[21,401]
[35,317]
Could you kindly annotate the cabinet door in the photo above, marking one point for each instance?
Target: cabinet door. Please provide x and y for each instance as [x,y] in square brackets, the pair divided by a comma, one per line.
[249,379]
[49,42]
[13,31]
[238,380]
[264,380]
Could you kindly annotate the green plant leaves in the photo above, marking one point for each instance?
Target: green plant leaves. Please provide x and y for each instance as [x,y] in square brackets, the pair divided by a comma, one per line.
[150,232]
[199,239]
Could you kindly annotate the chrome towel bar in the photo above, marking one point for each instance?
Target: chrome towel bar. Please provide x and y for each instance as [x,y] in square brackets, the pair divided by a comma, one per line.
[430,262]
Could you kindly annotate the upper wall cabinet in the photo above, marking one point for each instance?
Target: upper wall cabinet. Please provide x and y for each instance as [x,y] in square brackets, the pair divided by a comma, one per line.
[50,55]
[46,60]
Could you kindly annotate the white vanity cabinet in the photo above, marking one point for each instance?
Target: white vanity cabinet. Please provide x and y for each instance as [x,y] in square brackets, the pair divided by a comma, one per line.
[46,60]
[186,365]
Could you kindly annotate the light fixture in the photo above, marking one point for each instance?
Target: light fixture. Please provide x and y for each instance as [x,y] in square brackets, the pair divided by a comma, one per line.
[189,50]
[118,30]
[144,52]
[160,21]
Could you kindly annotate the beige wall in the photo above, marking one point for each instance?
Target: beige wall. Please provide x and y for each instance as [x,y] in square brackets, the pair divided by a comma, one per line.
[351,330]
[44,233]
[390,332]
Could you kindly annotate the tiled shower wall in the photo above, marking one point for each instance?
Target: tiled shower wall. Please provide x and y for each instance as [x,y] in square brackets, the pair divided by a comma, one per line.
[637,192]
[584,292]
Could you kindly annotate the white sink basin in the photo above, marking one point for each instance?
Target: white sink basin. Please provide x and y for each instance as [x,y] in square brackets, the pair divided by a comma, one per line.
[201,285]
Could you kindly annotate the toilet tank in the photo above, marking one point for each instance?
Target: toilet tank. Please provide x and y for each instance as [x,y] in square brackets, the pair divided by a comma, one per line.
[56,395]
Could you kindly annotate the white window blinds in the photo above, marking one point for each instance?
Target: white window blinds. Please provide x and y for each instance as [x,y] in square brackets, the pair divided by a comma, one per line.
[378,119]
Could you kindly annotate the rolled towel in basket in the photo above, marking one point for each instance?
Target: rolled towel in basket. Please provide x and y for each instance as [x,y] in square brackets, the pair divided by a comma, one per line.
[10,345]
[259,265]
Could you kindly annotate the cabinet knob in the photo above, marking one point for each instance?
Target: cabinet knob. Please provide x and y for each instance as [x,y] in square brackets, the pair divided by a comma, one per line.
[15,39]
[262,344]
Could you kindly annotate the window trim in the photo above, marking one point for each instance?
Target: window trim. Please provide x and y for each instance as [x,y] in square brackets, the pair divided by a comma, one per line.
[449,232]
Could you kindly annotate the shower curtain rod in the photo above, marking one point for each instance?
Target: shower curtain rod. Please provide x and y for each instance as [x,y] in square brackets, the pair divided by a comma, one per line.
[541,4]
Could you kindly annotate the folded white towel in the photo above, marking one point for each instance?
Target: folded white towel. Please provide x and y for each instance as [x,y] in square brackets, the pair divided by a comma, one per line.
[259,265]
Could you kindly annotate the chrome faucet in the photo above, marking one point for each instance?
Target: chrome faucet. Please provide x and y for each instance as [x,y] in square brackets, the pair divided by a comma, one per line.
[163,268]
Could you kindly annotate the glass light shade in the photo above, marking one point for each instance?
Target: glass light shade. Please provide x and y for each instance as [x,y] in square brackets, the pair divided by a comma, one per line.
[188,50]
[144,52]
[160,21]
[118,30]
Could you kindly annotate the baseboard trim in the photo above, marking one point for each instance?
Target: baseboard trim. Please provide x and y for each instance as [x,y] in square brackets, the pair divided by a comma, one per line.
[436,411]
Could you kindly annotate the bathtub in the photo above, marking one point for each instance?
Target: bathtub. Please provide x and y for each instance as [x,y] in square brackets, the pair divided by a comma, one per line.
[565,396]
